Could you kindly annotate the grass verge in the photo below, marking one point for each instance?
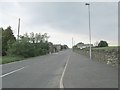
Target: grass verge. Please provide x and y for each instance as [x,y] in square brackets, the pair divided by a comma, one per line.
[8,59]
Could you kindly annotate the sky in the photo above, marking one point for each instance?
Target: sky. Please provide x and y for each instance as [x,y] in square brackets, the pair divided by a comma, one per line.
[63,20]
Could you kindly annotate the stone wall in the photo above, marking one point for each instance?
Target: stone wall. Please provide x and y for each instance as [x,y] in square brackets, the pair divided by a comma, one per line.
[107,55]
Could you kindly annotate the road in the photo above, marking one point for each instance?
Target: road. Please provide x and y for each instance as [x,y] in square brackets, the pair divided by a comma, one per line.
[64,68]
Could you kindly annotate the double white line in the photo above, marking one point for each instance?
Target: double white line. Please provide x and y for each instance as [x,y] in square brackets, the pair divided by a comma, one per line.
[61,80]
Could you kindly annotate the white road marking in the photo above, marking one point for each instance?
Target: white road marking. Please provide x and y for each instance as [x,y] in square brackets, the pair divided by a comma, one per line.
[12,72]
[61,80]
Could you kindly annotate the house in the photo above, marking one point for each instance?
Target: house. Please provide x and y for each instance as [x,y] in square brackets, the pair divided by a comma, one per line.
[51,48]
[54,48]
[82,45]
[57,47]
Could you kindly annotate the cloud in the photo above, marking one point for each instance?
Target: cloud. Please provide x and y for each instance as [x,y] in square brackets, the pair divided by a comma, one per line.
[63,20]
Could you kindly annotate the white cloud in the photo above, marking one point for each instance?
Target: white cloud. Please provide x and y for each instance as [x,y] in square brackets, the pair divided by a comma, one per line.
[60,24]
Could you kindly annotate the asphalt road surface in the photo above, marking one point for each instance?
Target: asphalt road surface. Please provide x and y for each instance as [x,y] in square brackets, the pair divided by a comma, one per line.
[82,72]
[63,69]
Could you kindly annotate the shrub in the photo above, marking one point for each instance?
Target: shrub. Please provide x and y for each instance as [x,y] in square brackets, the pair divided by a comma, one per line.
[103,44]
[27,49]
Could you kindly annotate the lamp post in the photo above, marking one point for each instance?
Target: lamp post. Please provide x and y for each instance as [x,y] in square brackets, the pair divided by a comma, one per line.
[88,4]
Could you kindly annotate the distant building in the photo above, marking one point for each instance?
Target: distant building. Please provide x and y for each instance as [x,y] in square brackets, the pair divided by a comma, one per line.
[64,47]
[51,48]
[82,45]
[57,47]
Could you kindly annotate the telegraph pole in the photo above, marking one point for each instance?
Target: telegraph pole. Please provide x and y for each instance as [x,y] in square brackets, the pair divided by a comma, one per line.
[72,42]
[18,28]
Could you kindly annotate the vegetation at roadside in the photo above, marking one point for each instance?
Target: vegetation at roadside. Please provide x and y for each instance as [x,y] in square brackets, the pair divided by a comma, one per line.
[8,59]
[28,45]
[7,37]
[103,44]
[107,54]
[25,46]
[107,48]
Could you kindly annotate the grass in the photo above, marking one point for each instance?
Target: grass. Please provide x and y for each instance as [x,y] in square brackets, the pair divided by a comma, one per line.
[8,59]
[11,58]
[106,48]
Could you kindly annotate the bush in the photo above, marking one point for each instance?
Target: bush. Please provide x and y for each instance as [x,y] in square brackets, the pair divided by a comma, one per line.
[27,49]
[103,44]
[20,49]
[7,37]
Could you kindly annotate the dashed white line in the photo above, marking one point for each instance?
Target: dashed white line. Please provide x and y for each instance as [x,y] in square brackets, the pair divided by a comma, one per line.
[61,80]
[12,72]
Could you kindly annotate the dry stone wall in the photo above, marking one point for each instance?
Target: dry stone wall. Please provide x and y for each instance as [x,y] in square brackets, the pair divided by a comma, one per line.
[109,56]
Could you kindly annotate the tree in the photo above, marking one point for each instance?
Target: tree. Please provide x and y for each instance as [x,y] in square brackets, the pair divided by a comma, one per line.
[32,37]
[38,37]
[30,45]
[25,37]
[1,30]
[44,37]
[7,39]
[103,44]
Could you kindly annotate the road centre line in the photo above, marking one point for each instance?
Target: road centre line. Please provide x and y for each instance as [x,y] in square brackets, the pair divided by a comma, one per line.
[61,80]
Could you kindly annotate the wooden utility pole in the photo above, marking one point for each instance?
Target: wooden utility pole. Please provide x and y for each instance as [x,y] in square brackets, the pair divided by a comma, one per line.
[18,28]
[72,42]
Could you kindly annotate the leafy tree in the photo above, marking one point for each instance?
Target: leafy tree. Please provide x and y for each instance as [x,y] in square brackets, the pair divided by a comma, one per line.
[7,39]
[45,37]
[22,48]
[30,45]
[25,37]
[1,30]
[32,37]
[38,37]
[103,44]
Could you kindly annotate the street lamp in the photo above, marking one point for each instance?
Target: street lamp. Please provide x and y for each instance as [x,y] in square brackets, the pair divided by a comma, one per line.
[88,4]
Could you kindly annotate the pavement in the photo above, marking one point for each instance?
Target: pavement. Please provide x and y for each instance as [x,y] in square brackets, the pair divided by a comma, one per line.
[51,71]
[82,72]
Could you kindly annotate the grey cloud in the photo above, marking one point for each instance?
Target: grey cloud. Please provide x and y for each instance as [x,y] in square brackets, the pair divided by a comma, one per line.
[73,17]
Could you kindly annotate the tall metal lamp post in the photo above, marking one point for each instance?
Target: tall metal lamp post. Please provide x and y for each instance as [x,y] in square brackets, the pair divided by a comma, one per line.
[88,4]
